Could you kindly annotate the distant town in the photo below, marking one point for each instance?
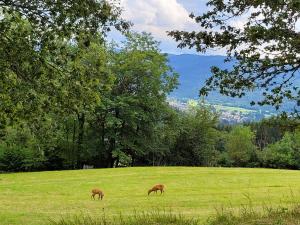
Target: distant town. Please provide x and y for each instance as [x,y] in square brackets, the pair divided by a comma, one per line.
[227,114]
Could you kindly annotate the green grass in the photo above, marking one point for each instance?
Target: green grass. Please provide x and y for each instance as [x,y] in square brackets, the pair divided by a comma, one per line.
[34,198]
[233,109]
[245,216]
[268,216]
[150,218]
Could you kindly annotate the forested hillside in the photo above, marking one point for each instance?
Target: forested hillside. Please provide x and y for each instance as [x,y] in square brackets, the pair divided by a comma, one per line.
[194,70]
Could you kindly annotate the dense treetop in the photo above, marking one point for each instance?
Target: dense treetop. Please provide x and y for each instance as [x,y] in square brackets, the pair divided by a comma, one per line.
[67,17]
[44,47]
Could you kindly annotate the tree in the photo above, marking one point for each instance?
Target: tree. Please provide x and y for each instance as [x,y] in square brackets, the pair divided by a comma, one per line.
[264,49]
[67,17]
[53,60]
[129,113]
[20,151]
[89,77]
[281,154]
[240,146]
[195,144]
[33,91]
[35,57]
[271,130]
[165,135]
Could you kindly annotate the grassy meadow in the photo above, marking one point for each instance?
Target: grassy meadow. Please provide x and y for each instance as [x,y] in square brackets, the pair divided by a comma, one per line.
[35,198]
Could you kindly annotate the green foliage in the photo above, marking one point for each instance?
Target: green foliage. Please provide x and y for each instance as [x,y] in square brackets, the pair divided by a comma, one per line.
[129,113]
[69,98]
[67,18]
[296,140]
[263,50]
[240,146]
[224,160]
[20,151]
[11,159]
[195,143]
[103,107]
[282,154]
[46,55]
[16,158]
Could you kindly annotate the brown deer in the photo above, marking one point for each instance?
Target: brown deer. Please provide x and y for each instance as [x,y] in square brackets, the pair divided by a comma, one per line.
[158,187]
[97,192]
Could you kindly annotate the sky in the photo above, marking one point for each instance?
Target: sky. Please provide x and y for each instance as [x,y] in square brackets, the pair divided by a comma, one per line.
[159,16]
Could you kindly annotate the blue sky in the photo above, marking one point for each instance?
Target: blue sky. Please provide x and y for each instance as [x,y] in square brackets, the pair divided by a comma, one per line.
[159,16]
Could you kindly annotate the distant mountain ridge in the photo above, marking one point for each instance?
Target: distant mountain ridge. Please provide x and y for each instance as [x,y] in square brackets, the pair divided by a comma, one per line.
[195,69]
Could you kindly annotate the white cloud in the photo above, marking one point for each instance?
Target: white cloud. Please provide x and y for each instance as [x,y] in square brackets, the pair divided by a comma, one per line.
[159,16]
[156,16]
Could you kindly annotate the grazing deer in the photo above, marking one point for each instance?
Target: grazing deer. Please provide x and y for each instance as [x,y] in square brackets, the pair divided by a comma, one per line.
[97,192]
[158,187]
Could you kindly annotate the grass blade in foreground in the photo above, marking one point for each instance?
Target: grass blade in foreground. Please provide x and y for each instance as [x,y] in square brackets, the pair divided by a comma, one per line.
[152,218]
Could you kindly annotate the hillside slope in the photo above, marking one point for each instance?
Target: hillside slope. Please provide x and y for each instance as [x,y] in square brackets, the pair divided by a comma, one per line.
[195,69]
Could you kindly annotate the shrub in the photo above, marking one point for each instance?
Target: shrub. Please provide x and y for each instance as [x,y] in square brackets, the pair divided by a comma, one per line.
[12,158]
[224,160]
[16,158]
[280,154]
[240,146]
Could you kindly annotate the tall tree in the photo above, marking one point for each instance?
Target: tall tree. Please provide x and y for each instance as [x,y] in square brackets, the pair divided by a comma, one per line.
[240,146]
[67,18]
[129,113]
[196,140]
[35,57]
[264,46]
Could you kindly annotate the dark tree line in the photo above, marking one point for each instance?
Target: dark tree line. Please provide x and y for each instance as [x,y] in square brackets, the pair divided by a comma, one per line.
[112,137]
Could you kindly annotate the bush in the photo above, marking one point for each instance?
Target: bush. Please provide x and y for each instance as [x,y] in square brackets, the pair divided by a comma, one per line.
[16,158]
[11,159]
[224,160]
[240,146]
[280,154]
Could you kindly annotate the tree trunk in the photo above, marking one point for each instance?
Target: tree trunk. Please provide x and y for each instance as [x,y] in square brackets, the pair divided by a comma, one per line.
[111,159]
[73,145]
[132,160]
[81,121]
[117,161]
[102,147]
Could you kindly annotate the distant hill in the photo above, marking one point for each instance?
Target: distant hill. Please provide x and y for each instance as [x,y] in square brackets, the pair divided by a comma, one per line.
[195,69]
